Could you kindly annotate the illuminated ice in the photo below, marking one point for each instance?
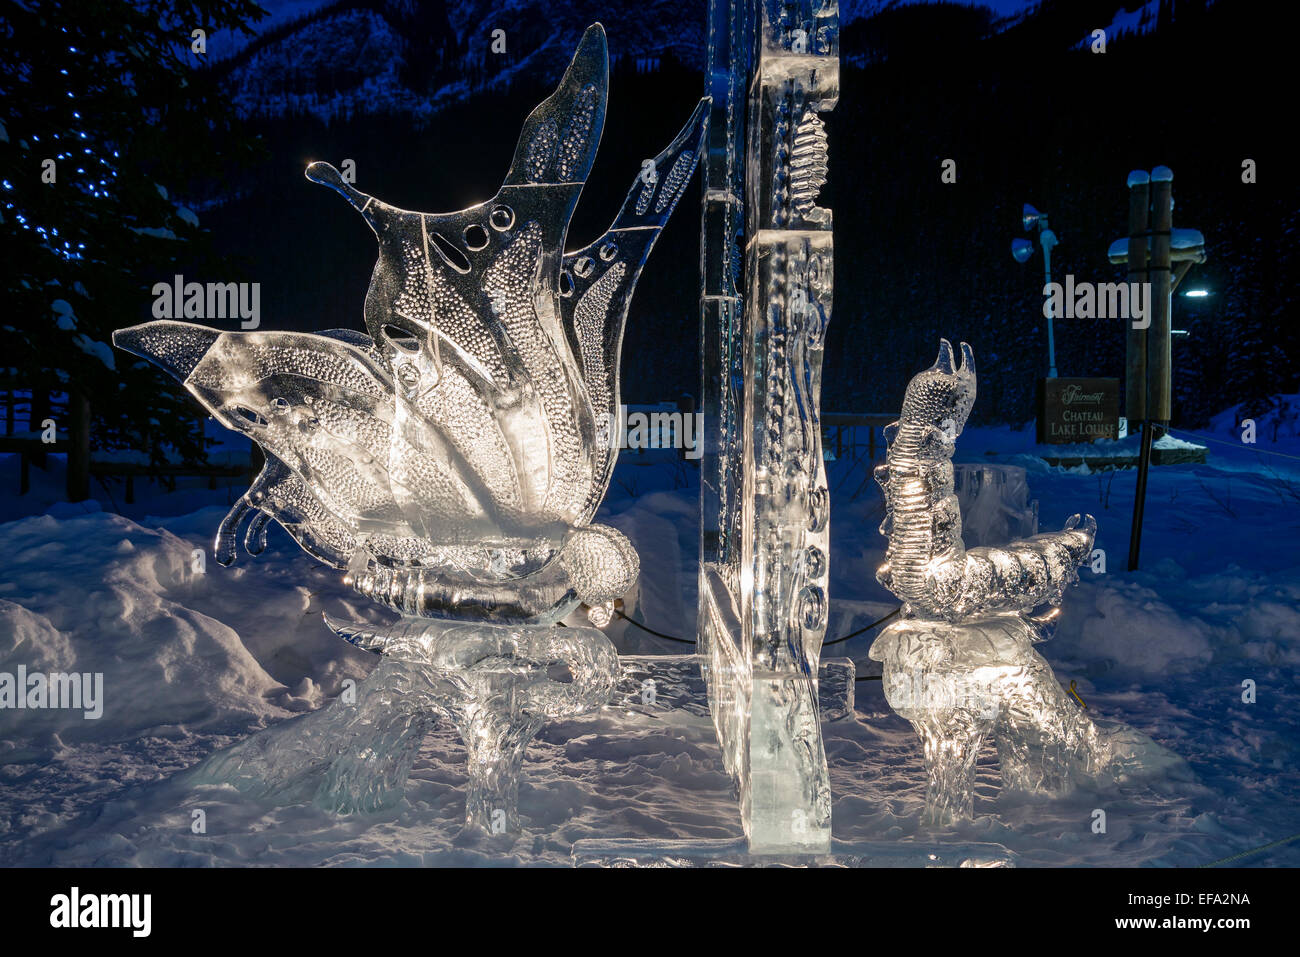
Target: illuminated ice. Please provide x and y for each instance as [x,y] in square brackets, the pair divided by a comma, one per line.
[766,300]
[452,457]
[498,684]
[960,664]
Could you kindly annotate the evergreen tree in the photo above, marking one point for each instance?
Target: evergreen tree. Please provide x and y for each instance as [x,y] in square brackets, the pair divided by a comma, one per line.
[109,115]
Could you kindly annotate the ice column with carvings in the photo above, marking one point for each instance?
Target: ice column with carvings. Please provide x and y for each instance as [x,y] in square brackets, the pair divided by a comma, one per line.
[766,300]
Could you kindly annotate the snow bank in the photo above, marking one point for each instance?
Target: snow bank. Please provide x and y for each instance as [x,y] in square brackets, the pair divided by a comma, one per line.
[1126,627]
[97,593]
[192,661]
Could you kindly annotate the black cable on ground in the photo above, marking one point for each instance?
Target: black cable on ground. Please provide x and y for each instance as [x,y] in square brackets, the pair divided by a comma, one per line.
[651,631]
[686,641]
[854,634]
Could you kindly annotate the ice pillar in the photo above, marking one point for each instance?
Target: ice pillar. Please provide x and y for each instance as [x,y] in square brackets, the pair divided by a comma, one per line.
[767,270]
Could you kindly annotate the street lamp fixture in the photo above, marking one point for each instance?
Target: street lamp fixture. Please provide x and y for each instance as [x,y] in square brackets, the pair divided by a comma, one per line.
[1021,250]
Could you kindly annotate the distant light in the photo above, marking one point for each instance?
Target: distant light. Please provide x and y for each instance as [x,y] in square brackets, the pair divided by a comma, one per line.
[1178,332]
[1196,293]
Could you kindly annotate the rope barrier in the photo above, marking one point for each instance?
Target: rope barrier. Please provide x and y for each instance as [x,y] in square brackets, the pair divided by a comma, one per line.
[1235,445]
[1254,850]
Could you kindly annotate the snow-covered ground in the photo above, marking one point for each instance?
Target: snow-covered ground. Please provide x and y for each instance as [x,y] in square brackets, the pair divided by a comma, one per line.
[195,656]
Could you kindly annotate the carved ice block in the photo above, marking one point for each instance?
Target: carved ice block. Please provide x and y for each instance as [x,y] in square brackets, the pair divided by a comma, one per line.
[773,68]
[961,684]
[995,503]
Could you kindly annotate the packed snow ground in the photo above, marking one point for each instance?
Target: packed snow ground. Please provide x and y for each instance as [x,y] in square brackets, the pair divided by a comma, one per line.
[198,656]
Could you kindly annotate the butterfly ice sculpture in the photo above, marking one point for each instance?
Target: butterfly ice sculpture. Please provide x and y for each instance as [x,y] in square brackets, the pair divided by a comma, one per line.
[453,458]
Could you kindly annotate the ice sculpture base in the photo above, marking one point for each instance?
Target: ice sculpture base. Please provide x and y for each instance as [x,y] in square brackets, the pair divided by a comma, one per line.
[736,853]
[497,683]
[655,684]
[960,683]
[659,684]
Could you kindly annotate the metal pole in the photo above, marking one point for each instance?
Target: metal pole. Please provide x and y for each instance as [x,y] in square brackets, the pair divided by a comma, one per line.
[1051,337]
[1139,500]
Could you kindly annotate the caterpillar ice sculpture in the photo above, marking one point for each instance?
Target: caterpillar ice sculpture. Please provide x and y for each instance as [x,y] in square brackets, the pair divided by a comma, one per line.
[960,663]
[452,458]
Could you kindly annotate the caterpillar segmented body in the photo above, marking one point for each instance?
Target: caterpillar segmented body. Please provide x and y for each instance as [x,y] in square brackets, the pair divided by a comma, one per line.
[926,565]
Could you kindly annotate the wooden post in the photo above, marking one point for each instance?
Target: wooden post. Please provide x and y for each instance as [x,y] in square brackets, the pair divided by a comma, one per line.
[1149,379]
[1159,337]
[78,479]
[38,410]
[1159,348]
[1135,372]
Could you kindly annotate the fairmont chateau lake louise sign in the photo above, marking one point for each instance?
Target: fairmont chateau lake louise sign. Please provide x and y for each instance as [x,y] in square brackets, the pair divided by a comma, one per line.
[1078,410]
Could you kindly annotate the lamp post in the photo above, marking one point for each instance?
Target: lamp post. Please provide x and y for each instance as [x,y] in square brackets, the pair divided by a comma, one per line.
[1021,250]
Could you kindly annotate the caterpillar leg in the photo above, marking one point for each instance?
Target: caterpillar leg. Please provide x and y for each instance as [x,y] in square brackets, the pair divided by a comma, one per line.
[1044,738]
[952,742]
